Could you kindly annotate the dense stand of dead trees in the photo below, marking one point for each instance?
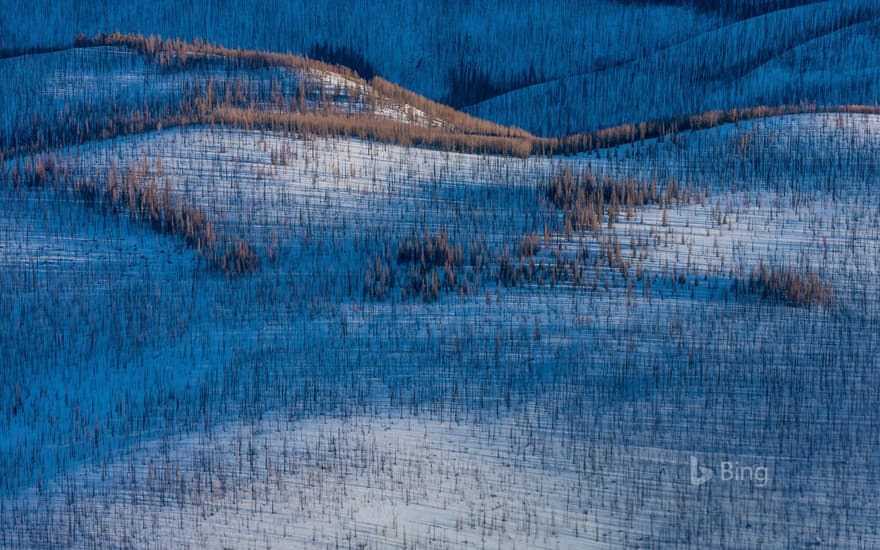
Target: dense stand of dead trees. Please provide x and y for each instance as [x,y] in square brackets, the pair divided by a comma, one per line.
[423,266]
[180,54]
[788,286]
[587,199]
[426,266]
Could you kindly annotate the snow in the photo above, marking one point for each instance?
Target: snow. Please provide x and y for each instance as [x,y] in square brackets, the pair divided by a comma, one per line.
[150,400]
[130,379]
[396,481]
[105,80]
[417,46]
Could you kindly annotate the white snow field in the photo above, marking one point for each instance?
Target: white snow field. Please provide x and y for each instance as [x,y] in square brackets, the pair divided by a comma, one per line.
[547,395]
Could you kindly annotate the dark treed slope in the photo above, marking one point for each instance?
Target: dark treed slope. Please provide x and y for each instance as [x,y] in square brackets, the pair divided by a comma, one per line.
[824,53]
[736,9]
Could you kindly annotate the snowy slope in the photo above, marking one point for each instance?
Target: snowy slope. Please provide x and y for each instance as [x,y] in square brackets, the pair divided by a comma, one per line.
[552,68]
[151,401]
[44,95]
[416,45]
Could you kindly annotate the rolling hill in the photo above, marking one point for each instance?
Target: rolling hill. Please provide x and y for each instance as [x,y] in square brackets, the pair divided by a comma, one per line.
[252,299]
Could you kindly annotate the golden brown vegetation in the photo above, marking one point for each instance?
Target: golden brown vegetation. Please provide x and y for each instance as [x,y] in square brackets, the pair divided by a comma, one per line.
[587,200]
[447,128]
[788,286]
[229,102]
[630,133]
[137,190]
[459,121]
[330,123]
[433,261]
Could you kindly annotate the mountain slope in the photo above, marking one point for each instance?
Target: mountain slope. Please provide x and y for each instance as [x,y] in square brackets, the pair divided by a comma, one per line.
[821,53]
[587,65]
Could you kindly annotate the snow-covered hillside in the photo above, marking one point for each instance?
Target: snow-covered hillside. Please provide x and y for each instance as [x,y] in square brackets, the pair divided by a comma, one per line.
[435,351]
[417,45]
[110,86]
[550,67]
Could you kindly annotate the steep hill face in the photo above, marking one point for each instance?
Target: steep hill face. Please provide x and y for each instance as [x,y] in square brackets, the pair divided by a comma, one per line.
[111,85]
[822,53]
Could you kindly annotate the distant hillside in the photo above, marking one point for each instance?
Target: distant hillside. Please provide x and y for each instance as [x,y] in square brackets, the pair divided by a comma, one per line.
[111,85]
[823,53]
[456,52]
[552,68]
[114,85]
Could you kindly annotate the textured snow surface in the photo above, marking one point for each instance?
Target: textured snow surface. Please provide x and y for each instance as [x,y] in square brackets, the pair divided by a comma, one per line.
[147,401]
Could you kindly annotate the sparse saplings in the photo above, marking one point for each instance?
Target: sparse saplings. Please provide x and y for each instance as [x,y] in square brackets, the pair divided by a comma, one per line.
[379,278]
